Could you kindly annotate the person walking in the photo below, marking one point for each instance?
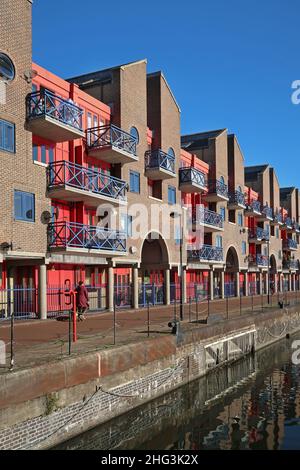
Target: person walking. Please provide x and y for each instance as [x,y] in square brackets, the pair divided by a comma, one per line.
[82,300]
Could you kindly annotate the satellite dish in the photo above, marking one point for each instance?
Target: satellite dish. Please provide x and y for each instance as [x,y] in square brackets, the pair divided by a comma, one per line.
[46,217]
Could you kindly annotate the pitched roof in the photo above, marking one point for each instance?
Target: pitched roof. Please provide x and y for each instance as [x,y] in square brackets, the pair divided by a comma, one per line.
[200,139]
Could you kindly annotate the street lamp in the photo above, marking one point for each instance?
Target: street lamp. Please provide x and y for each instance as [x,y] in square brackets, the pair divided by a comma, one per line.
[268,286]
[175,215]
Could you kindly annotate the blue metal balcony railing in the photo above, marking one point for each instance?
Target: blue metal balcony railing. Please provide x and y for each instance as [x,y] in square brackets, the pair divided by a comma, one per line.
[74,235]
[157,159]
[254,206]
[289,244]
[86,179]
[237,198]
[206,253]
[290,264]
[208,217]
[259,234]
[218,187]
[278,218]
[288,222]
[46,103]
[267,212]
[192,175]
[258,260]
[110,135]
[296,226]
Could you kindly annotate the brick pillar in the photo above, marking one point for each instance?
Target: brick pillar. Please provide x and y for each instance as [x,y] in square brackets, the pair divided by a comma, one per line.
[246,284]
[10,285]
[280,282]
[167,287]
[135,287]
[260,283]
[111,289]
[237,283]
[290,282]
[222,284]
[275,283]
[42,292]
[293,282]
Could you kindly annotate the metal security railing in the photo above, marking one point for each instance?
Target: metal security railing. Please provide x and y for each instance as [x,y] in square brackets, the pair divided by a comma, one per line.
[296,226]
[289,244]
[123,296]
[208,217]
[206,253]
[151,293]
[75,235]
[20,302]
[58,303]
[46,103]
[218,187]
[70,174]
[288,222]
[237,198]
[157,159]
[259,234]
[267,212]
[278,218]
[254,206]
[230,289]
[290,264]
[258,260]
[110,135]
[193,176]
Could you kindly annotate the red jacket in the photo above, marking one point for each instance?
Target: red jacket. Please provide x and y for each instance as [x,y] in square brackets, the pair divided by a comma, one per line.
[82,297]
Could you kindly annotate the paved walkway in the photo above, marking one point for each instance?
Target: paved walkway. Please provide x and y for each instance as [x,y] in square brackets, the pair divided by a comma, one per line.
[37,341]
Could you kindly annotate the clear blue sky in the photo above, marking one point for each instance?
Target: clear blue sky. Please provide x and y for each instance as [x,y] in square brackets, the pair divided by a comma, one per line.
[229,63]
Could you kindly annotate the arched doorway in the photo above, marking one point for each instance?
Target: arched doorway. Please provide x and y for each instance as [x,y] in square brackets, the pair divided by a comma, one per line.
[232,267]
[154,262]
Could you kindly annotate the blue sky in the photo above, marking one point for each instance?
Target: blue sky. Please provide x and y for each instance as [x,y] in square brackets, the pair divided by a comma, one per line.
[229,63]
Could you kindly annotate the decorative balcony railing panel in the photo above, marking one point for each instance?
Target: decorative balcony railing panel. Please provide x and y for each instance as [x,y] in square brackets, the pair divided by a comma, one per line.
[110,135]
[218,187]
[259,234]
[267,212]
[46,103]
[74,235]
[78,177]
[288,223]
[237,198]
[290,264]
[191,175]
[208,217]
[254,206]
[258,260]
[206,253]
[296,226]
[278,218]
[159,160]
[290,244]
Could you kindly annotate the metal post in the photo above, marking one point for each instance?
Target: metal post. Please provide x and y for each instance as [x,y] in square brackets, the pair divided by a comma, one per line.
[190,305]
[114,320]
[252,303]
[175,313]
[227,311]
[70,329]
[148,318]
[197,306]
[208,298]
[12,324]
[74,318]
[240,305]
[268,283]
[262,302]
[181,269]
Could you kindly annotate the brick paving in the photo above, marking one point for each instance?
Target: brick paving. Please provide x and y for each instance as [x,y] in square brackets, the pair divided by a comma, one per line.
[38,341]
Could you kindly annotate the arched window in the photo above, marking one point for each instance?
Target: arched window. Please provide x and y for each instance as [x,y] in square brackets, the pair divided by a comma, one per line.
[135,133]
[7,69]
[171,152]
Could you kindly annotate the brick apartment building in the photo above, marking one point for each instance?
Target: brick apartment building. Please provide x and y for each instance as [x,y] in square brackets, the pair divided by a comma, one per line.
[79,157]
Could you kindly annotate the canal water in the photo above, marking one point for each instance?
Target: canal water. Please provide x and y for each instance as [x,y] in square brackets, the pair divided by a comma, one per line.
[252,404]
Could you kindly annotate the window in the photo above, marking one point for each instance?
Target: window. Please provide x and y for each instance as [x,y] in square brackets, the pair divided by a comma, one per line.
[219,241]
[177,234]
[7,136]
[134,179]
[126,224]
[42,153]
[171,195]
[244,248]
[24,206]
[222,212]
[7,69]
[135,133]
[171,152]
[240,220]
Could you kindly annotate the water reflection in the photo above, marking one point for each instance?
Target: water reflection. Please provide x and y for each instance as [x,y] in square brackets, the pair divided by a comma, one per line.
[253,404]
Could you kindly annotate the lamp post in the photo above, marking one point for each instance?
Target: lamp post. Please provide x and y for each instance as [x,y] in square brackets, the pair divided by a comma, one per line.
[268,286]
[175,215]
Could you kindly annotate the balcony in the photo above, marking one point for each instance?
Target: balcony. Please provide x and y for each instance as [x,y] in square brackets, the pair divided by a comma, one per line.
[209,220]
[71,182]
[53,118]
[252,209]
[74,237]
[258,261]
[289,245]
[236,200]
[277,219]
[206,253]
[292,264]
[259,235]
[192,180]
[217,191]
[159,165]
[266,214]
[288,224]
[111,144]
[296,227]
